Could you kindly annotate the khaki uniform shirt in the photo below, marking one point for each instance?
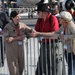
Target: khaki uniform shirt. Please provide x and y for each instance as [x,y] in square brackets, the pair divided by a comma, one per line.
[10,31]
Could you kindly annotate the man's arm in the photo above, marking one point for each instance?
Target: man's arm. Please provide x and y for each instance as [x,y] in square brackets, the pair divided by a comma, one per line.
[39,34]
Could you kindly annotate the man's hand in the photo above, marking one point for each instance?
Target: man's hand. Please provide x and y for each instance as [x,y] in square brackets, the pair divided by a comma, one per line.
[35,34]
[29,35]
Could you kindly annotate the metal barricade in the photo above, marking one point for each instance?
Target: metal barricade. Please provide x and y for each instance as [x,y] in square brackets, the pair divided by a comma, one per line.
[1,50]
[3,62]
[51,60]
[50,54]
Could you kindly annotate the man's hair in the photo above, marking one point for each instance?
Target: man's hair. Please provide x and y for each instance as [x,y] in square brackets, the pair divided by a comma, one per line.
[55,4]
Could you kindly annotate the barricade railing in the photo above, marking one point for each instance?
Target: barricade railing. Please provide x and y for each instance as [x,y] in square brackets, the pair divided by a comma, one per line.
[51,55]
[3,63]
[53,61]
[1,50]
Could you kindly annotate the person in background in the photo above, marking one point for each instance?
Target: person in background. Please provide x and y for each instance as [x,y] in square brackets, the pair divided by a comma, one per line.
[55,11]
[14,34]
[66,33]
[4,19]
[72,12]
[45,23]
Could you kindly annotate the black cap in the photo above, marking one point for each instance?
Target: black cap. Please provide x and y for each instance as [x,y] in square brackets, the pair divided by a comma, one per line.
[43,7]
[13,14]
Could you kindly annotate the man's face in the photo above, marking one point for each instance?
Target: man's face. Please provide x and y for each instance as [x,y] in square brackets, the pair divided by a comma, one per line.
[44,14]
[39,14]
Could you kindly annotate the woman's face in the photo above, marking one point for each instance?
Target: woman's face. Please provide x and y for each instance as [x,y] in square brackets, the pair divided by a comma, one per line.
[16,19]
[62,22]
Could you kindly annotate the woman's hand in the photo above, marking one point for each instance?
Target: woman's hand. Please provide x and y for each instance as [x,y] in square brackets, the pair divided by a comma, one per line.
[61,36]
[10,39]
[19,38]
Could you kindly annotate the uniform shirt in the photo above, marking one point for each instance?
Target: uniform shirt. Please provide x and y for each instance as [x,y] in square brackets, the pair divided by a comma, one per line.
[45,26]
[16,47]
[10,30]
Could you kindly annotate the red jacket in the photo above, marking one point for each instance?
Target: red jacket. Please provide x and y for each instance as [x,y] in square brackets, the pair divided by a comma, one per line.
[45,26]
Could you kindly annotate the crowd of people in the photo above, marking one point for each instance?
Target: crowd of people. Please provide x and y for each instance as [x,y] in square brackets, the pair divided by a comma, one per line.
[50,22]
[68,29]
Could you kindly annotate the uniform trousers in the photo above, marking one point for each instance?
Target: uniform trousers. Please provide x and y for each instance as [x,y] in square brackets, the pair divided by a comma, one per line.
[15,58]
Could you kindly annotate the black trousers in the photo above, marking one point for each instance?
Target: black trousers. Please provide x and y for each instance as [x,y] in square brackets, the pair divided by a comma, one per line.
[70,58]
[45,61]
